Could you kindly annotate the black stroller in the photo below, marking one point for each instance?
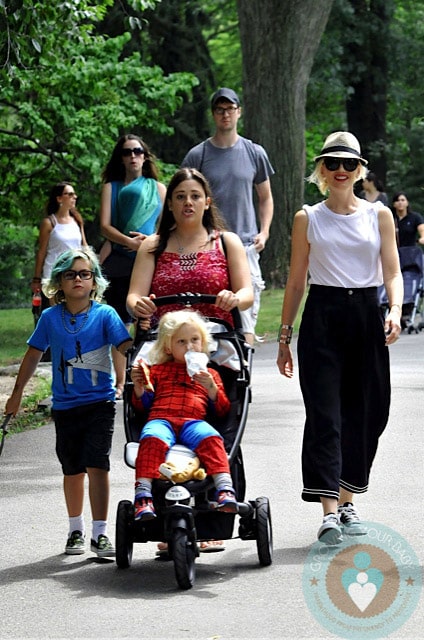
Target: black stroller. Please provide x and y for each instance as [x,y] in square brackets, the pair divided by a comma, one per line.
[412,267]
[185,512]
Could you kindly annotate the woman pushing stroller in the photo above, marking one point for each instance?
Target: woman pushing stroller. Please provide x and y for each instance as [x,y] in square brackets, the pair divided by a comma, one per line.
[178,404]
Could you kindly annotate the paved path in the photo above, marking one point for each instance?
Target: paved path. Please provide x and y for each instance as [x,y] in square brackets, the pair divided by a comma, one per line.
[46,594]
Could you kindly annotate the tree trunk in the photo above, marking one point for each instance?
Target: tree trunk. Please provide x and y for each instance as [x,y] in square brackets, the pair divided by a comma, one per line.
[366,105]
[279,39]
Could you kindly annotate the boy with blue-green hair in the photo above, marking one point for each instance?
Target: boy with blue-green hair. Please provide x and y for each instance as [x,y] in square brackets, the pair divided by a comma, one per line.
[80,332]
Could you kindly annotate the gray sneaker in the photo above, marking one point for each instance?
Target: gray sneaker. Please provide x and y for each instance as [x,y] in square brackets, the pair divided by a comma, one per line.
[103,547]
[330,532]
[75,544]
[350,520]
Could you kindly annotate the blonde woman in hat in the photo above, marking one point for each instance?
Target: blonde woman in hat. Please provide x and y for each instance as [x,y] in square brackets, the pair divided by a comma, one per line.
[347,248]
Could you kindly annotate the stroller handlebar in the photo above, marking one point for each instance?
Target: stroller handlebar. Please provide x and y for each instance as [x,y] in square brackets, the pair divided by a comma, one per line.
[189,299]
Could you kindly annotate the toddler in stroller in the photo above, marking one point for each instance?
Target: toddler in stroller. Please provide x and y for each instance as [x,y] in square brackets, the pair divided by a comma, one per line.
[177,393]
[185,514]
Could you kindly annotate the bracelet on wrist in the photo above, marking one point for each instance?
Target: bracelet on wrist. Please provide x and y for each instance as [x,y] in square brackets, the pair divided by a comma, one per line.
[288,329]
[396,305]
[36,280]
[285,339]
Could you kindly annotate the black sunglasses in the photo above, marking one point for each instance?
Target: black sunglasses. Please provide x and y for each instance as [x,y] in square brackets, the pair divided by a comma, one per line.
[349,164]
[138,151]
[84,274]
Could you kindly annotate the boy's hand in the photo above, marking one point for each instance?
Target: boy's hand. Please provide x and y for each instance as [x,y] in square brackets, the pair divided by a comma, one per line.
[12,405]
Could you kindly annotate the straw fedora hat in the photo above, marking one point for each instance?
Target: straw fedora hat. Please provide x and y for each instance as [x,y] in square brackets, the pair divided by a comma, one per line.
[341,144]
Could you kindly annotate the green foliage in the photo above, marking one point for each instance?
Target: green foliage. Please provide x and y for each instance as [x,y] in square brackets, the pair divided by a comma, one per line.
[16,264]
[330,86]
[223,40]
[65,100]
[405,115]
[66,94]
[64,124]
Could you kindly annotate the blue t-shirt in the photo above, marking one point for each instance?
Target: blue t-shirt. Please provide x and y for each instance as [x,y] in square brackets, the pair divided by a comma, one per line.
[232,173]
[80,352]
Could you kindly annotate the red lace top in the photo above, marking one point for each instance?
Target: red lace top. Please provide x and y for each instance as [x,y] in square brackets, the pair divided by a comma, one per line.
[201,272]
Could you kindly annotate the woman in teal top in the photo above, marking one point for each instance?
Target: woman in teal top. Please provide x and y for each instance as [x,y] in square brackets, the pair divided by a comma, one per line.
[131,201]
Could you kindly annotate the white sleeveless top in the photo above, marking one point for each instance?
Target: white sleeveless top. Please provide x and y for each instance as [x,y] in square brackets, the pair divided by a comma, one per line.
[344,249]
[62,237]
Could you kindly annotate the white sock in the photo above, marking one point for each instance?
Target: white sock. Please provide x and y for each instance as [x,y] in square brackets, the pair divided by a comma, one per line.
[222,481]
[76,523]
[98,528]
[143,485]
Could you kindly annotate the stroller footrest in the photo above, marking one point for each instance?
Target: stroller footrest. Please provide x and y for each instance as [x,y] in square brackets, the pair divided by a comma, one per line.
[130,453]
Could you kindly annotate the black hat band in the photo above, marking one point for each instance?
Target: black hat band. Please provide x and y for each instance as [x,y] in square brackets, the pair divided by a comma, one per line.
[340,148]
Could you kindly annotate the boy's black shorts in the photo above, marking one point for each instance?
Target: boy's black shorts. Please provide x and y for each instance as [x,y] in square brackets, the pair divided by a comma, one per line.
[84,436]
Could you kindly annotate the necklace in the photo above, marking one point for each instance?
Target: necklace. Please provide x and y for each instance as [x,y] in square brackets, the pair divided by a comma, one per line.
[73,318]
[181,248]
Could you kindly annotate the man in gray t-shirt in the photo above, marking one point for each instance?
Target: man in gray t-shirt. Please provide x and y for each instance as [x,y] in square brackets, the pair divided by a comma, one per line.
[234,166]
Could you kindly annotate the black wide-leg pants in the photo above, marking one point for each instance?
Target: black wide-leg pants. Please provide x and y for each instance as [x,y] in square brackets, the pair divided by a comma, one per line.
[345,381]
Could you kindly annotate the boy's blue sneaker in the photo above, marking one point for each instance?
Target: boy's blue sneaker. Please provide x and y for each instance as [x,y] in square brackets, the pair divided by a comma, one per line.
[144,509]
[103,547]
[75,545]
[226,501]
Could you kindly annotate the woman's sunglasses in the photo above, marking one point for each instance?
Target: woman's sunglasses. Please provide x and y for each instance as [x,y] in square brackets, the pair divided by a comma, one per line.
[127,153]
[349,164]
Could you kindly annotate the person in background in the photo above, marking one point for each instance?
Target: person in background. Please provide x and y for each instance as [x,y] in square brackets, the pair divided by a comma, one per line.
[409,224]
[235,167]
[131,201]
[191,252]
[62,228]
[348,247]
[373,189]
[177,405]
[79,331]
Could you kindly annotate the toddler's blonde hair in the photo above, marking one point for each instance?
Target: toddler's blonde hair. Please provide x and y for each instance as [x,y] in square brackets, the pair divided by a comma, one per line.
[169,324]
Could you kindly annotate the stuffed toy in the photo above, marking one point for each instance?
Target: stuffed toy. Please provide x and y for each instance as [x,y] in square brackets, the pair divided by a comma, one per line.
[181,465]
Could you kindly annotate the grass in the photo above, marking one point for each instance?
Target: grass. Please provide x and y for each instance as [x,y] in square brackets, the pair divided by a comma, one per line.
[270,313]
[30,415]
[16,325]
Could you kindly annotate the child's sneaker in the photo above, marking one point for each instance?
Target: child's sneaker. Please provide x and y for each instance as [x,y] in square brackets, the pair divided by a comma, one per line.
[75,545]
[226,501]
[350,520]
[144,509]
[330,532]
[103,547]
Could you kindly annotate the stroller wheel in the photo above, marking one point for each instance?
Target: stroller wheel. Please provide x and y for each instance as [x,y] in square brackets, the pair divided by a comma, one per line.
[184,555]
[124,534]
[263,531]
